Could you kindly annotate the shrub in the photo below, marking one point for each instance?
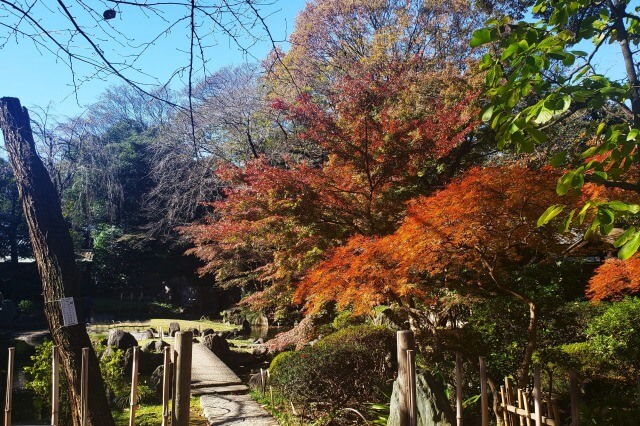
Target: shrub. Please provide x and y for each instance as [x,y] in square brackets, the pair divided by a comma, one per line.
[346,369]
[25,306]
[39,379]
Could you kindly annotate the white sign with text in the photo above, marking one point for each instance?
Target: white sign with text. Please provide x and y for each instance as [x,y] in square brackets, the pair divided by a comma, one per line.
[69,316]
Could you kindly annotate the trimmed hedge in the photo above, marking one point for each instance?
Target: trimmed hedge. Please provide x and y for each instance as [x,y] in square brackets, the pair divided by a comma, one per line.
[346,369]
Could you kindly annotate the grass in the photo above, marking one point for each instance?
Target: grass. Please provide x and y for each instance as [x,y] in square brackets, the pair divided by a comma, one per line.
[151,415]
[163,323]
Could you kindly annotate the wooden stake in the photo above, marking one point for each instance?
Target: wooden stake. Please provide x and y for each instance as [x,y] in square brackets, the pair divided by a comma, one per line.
[84,386]
[458,389]
[405,342]
[9,388]
[55,386]
[504,406]
[413,403]
[527,412]
[271,394]
[183,342]
[537,395]
[484,397]
[166,386]
[575,400]
[520,405]
[509,401]
[133,402]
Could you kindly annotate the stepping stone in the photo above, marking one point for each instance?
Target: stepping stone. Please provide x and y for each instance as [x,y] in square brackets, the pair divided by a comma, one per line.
[235,410]
[220,390]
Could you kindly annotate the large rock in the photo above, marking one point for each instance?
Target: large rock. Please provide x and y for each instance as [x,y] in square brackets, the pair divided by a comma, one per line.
[146,335]
[147,362]
[255,381]
[433,406]
[233,316]
[218,345]
[155,346]
[207,331]
[173,328]
[121,340]
[155,382]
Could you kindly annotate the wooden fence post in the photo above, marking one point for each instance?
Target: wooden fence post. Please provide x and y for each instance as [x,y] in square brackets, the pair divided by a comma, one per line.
[458,389]
[133,402]
[84,386]
[484,397]
[575,401]
[55,386]
[405,342]
[413,403]
[537,395]
[9,389]
[166,386]
[183,353]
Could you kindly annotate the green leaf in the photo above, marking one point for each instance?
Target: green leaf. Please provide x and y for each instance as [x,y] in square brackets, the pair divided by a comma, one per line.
[480,37]
[564,183]
[626,236]
[550,213]
[544,115]
[618,206]
[605,216]
[564,225]
[487,114]
[558,159]
[537,135]
[630,247]
[509,51]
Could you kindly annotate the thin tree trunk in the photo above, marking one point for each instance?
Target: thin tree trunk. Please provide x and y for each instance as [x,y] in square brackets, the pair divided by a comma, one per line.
[532,343]
[54,254]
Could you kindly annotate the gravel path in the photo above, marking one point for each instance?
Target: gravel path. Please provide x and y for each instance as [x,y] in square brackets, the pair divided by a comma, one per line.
[223,396]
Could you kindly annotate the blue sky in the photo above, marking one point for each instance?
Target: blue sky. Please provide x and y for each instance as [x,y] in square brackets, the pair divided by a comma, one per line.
[39,78]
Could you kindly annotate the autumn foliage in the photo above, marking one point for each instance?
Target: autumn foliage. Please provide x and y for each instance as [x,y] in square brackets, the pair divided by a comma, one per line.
[615,279]
[276,220]
[470,234]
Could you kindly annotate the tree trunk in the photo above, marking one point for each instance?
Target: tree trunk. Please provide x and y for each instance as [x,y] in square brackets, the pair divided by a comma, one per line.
[54,254]
[532,343]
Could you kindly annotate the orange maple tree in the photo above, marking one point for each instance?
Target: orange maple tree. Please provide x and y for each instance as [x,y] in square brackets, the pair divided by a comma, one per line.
[615,279]
[472,235]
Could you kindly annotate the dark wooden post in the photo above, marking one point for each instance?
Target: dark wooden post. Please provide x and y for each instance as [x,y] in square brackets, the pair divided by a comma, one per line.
[84,386]
[166,386]
[406,342]
[575,400]
[9,389]
[182,352]
[55,386]
[133,400]
[537,395]
[413,398]
[484,397]
[55,257]
[458,389]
